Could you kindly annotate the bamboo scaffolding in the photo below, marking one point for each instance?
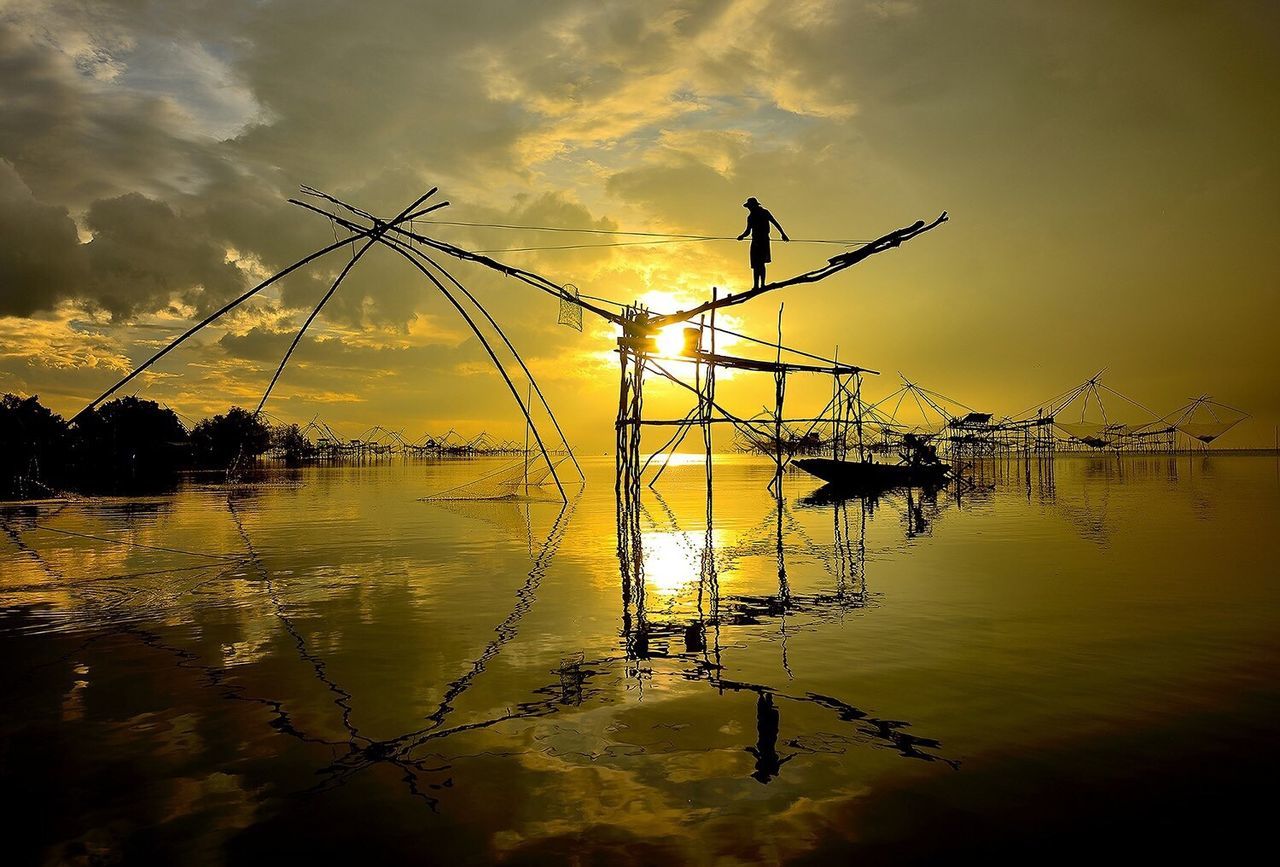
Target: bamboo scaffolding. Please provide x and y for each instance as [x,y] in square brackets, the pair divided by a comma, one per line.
[407,250]
[636,357]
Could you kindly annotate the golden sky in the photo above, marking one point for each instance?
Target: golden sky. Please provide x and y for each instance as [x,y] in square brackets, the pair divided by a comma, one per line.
[1110,167]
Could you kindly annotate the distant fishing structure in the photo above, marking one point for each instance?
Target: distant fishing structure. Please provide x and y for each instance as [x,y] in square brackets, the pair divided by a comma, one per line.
[324,444]
[1077,420]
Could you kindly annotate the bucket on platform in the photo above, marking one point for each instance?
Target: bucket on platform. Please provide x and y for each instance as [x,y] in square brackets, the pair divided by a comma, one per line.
[692,341]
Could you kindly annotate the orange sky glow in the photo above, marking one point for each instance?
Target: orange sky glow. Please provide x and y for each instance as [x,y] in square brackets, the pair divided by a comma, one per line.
[1110,170]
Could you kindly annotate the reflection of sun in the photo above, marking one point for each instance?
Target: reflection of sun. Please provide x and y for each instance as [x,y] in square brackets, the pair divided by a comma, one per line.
[671,559]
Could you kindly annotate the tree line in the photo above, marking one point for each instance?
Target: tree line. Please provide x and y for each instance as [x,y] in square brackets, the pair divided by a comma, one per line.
[129,445]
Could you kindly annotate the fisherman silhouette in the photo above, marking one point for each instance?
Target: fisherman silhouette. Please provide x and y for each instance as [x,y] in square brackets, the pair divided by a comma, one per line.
[758,220]
[768,765]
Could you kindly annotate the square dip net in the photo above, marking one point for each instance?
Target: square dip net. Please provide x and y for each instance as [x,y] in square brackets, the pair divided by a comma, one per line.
[528,480]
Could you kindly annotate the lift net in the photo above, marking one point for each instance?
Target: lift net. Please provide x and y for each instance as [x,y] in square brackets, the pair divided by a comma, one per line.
[570,309]
[525,481]
[1095,434]
[1206,420]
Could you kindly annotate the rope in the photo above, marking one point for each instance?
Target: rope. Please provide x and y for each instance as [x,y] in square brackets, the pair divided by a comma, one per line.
[845,242]
[134,544]
[646,244]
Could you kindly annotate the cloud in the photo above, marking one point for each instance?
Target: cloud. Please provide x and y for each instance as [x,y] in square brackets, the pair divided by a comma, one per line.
[142,257]
[39,258]
[1091,160]
[75,137]
[143,254]
[64,341]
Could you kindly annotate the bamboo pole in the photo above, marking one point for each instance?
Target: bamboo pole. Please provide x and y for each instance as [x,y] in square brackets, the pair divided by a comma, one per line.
[684,426]
[834,265]
[779,388]
[236,302]
[396,244]
[379,230]
[494,358]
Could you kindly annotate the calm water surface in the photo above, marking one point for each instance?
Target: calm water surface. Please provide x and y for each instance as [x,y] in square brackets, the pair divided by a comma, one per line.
[1076,662]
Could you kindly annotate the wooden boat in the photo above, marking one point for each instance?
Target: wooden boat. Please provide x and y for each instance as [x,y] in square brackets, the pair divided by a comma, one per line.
[860,475]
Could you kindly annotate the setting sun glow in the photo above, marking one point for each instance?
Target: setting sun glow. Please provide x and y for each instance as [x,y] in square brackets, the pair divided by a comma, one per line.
[671,340]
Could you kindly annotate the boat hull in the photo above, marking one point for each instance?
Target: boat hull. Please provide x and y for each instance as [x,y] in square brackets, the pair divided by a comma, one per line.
[855,474]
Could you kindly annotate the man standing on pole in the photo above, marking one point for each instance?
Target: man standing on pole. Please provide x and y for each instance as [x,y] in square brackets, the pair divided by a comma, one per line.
[758,220]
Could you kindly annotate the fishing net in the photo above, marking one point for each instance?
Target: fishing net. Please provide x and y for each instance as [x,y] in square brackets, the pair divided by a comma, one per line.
[529,480]
[510,518]
[1206,432]
[1205,420]
[1093,434]
[570,309]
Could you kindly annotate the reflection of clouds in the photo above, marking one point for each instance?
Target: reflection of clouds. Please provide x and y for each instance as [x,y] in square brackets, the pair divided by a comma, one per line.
[73,701]
[595,794]
[170,734]
[220,793]
[251,648]
[674,795]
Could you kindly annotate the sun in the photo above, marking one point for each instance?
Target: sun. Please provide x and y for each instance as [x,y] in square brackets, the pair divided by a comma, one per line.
[670,340]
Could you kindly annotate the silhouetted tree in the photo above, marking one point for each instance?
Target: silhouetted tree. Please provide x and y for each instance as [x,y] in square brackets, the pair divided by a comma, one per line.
[290,443]
[33,442]
[236,436]
[128,445]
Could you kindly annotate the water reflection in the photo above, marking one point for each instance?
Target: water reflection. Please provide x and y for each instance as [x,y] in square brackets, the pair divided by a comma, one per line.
[333,647]
[768,762]
[672,634]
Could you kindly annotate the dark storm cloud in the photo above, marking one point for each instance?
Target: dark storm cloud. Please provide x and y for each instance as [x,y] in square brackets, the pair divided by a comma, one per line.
[39,255]
[143,254]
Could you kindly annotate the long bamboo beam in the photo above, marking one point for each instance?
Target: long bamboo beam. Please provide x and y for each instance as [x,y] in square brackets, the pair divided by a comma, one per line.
[735,362]
[834,265]
[669,422]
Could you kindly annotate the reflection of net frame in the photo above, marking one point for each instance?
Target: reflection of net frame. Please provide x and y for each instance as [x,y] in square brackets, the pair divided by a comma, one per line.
[570,308]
